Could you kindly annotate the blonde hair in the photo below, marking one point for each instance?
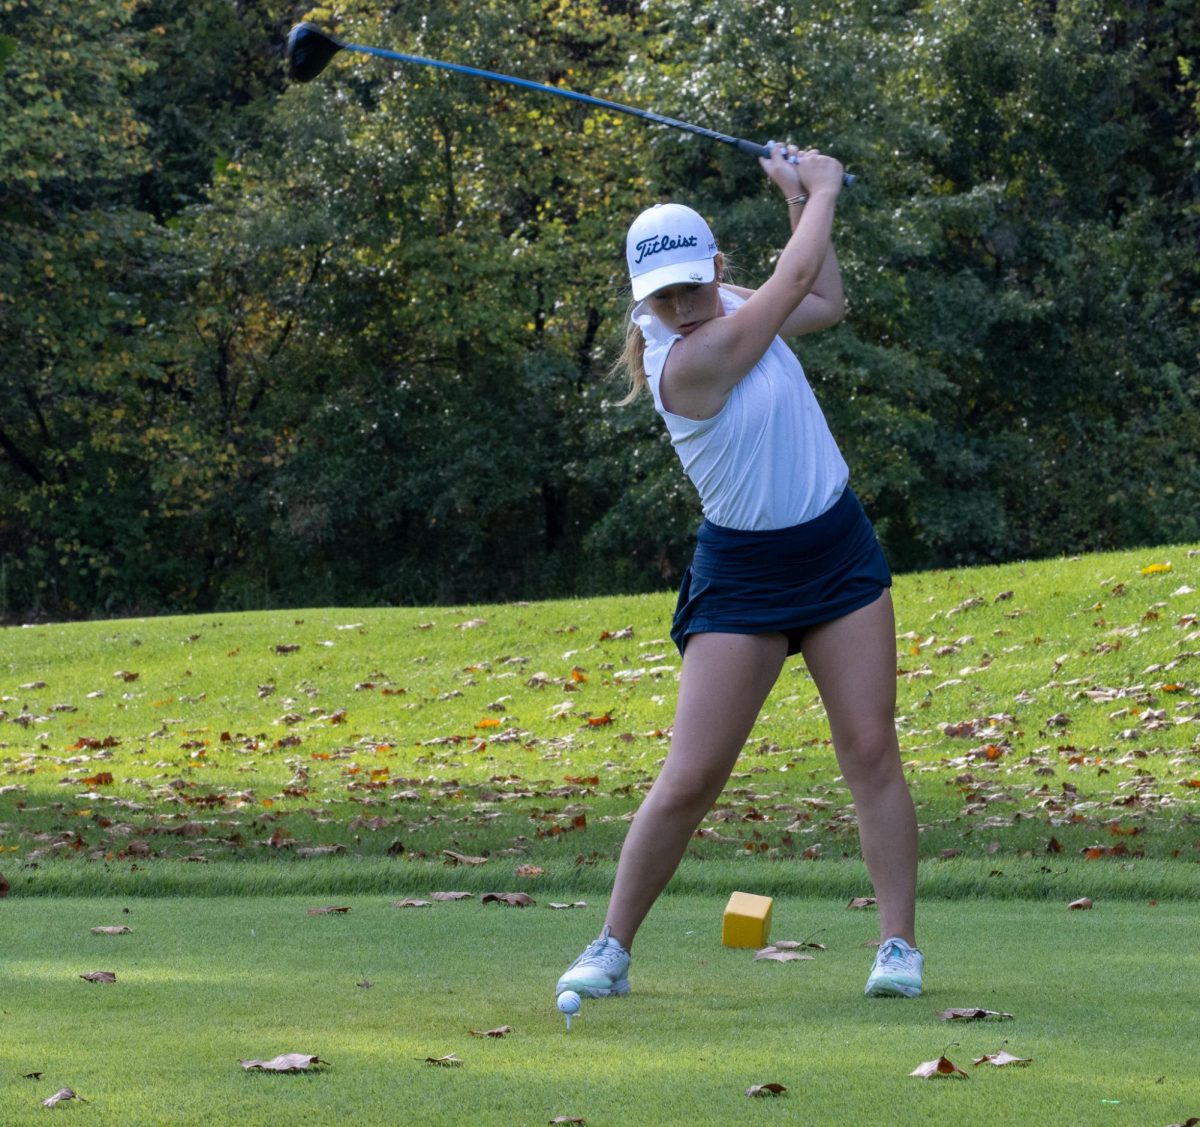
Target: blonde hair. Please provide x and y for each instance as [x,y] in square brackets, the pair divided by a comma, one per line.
[631,362]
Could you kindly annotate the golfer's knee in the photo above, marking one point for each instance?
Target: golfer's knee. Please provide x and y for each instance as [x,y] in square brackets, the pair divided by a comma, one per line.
[685,799]
[868,756]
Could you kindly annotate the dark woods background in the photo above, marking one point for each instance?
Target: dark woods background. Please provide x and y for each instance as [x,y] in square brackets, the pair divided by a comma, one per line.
[264,344]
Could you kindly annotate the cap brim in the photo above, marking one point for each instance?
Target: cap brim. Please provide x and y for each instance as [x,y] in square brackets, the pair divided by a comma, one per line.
[677,273]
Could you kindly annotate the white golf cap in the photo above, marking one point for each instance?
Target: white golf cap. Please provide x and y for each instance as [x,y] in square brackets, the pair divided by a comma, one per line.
[667,245]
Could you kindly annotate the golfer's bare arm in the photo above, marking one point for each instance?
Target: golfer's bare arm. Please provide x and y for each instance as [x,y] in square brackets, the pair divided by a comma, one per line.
[704,367]
[822,307]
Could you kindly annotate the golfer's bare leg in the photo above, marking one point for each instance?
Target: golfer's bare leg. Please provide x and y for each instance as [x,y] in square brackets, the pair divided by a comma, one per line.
[853,662]
[724,682]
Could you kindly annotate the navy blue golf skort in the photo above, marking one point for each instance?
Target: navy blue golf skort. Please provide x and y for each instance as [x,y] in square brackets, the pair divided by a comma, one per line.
[782,580]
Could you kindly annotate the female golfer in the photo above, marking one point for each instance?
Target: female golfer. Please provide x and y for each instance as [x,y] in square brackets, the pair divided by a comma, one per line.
[786,560]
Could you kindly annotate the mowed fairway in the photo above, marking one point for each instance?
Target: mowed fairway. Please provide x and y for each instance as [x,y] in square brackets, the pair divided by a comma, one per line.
[208,781]
[1100,1003]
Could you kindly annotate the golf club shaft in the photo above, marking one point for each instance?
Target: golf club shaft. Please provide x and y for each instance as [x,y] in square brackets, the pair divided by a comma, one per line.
[752,148]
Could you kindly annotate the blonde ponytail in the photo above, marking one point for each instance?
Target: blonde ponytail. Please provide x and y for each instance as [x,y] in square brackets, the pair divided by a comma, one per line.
[631,361]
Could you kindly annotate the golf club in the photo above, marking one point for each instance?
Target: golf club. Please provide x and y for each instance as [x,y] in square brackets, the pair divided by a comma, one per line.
[309,51]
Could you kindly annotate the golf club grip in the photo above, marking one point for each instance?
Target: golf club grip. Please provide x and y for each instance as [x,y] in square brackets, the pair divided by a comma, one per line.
[764,151]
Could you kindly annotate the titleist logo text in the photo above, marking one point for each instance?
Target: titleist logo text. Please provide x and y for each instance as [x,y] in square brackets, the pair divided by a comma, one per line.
[659,243]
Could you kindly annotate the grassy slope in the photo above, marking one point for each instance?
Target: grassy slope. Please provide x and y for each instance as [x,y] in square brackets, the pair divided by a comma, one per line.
[205,981]
[1045,708]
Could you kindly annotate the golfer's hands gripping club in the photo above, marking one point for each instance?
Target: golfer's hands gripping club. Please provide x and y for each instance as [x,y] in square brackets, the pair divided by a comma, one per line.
[802,172]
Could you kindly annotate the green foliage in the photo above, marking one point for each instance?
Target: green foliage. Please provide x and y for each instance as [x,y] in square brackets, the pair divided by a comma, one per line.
[350,342]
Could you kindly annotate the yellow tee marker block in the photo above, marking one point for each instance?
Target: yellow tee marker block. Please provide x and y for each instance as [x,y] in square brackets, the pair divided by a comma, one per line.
[747,921]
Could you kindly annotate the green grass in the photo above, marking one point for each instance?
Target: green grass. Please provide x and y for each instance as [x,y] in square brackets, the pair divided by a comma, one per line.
[1045,709]
[1049,718]
[1099,1000]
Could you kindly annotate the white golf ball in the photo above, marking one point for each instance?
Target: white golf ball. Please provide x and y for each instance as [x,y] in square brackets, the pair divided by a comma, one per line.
[569,1002]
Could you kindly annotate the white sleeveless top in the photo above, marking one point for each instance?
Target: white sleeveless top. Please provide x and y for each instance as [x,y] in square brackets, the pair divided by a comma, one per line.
[767,459]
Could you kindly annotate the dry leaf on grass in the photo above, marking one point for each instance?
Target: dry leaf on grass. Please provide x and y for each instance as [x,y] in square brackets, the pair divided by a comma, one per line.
[512,899]
[450,1060]
[122,930]
[319,850]
[801,945]
[774,954]
[329,911]
[452,896]
[563,907]
[453,858]
[285,1062]
[1191,1122]
[580,1119]
[1001,1058]
[529,871]
[410,903]
[862,902]
[499,1031]
[798,945]
[765,1090]
[100,976]
[1082,904]
[943,1066]
[970,1013]
[60,1095]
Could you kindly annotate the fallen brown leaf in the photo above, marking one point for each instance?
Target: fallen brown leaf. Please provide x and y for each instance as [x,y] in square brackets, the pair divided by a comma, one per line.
[1001,1058]
[512,899]
[286,1062]
[1082,904]
[100,976]
[60,1095]
[943,1066]
[450,1060]
[410,903]
[562,907]
[122,930]
[452,896]
[797,945]
[970,1013]
[499,1031]
[862,902]
[580,1119]
[766,1090]
[529,871]
[774,954]
[319,850]
[453,858]
[328,911]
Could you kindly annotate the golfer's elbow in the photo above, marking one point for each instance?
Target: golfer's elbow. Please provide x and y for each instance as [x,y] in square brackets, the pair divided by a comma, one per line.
[835,309]
[827,310]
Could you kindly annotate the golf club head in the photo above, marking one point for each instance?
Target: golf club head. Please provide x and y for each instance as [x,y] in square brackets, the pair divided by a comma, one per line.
[309,50]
